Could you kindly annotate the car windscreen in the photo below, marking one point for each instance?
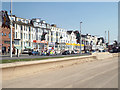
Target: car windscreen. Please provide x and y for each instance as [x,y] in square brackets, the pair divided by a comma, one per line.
[25,50]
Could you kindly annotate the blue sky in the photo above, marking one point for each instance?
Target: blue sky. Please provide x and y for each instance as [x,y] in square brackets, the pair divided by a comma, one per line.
[97,17]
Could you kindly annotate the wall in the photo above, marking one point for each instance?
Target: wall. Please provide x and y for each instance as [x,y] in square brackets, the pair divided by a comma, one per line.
[6,38]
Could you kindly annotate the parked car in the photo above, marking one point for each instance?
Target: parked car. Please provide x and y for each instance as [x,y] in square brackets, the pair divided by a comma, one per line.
[26,51]
[72,52]
[35,53]
[57,52]
[111,51]
[76,51]
[66,52]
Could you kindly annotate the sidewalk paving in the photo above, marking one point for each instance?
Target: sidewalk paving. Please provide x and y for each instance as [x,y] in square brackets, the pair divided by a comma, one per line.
[8,55]
[24,56]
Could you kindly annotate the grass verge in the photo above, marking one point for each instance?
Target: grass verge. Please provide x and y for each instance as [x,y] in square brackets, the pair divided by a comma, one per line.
[32,59]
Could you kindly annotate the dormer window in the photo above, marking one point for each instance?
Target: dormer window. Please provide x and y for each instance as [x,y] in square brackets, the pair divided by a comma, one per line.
[19,19]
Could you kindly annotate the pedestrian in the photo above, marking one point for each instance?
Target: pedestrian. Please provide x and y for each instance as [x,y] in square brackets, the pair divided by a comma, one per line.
[2,52]
[41,52]
[55,53]
[45,53]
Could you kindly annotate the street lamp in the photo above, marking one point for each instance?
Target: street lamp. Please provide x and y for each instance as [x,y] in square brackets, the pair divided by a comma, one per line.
[61,43]
[11,32]
[80,38]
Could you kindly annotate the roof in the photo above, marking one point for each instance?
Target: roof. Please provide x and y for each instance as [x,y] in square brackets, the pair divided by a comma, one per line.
[5,19]
[21,23]
[69,32]
[19,17]
[83,35]
[54,25]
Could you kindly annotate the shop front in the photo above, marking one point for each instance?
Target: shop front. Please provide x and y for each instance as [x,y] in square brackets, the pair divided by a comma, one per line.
[73,46]
[51,45]
[40,45]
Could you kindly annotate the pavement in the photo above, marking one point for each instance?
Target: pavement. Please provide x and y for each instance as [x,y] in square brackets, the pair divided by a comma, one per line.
[24,56]
[96,74]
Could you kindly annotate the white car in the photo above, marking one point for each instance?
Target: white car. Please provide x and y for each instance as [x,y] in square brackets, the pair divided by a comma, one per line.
[76,51]
[25,51]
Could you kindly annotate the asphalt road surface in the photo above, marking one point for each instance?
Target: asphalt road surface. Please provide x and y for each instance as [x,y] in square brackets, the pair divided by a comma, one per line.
[96,74]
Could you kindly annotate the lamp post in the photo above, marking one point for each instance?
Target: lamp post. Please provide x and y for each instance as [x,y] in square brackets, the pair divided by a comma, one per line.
[108,37]
[80,38]
[105,40]
[11,32]
[61,43]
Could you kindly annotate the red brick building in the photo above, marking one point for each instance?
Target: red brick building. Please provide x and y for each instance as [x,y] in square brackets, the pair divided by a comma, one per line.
[5,33]
[6,40]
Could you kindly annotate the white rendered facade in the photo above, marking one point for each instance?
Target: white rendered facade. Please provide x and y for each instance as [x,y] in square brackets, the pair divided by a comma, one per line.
[28,35]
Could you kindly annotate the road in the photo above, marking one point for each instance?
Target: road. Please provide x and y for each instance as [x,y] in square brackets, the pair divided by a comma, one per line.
[96,74]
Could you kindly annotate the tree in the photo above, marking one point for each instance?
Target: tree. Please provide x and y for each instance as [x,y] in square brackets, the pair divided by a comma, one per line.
[78,37]
[43,36]
[115,43]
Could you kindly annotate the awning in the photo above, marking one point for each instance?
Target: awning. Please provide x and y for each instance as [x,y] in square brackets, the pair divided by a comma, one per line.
[18,47]
[79,44]
[68,44]
[28,47]
[43,41]
[37,41]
